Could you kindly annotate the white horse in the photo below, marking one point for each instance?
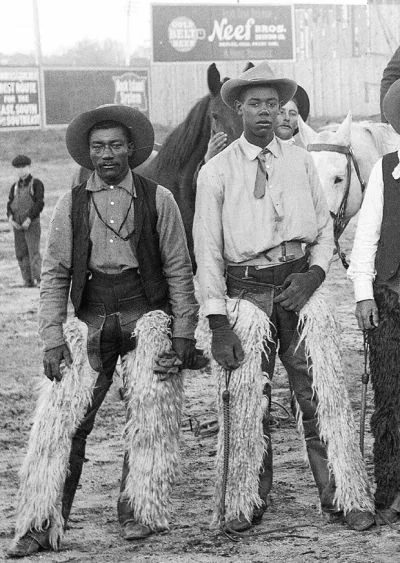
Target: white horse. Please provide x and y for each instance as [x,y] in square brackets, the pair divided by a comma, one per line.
[338,154]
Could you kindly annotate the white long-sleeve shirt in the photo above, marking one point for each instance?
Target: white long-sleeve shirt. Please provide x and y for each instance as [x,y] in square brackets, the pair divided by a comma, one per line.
[362,265]
[232,226]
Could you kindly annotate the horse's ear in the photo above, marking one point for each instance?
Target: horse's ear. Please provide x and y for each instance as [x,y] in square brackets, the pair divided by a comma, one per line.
[307,133]
[344,131]
[213,79]
[248,66]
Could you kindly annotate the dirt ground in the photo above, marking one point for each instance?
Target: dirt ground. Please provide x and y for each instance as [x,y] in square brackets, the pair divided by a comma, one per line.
[291,531]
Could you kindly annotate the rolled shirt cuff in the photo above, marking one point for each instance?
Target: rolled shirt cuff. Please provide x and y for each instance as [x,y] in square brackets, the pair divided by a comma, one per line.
[214,307]
[363,289]
[52,338]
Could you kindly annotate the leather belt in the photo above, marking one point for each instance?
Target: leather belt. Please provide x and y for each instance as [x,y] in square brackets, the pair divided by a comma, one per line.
[284,252]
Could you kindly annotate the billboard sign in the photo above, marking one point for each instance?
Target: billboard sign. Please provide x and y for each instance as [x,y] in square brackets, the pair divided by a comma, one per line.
[69,92]
[19,98]
[222,32]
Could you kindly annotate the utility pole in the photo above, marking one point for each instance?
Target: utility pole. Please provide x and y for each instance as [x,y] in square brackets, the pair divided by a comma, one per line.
[38,60]
[128,33]
[36,27]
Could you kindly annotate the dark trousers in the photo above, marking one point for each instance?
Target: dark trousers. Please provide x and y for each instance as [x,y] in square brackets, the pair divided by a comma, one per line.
[261,288]
[112,304]
[27,251]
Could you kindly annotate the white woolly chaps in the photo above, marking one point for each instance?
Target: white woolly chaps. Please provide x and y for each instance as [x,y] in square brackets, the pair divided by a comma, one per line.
[59,410]
[154,410]
[337,427]
[247,408]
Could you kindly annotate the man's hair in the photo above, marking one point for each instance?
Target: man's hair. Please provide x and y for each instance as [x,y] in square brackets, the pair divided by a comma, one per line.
[110,124]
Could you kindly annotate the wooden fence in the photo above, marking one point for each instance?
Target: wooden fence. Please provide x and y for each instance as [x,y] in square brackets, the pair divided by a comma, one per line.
[341,52]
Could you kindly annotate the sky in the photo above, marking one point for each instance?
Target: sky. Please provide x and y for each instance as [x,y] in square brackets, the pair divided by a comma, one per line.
[65,22]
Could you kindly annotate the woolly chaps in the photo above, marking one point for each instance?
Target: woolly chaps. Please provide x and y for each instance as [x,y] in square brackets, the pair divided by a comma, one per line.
[319,331]
[151,432]
[153,422]
[384,343]
[60,408]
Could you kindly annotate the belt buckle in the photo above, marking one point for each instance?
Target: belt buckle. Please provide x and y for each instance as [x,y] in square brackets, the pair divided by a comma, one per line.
[285,257]
[246,275]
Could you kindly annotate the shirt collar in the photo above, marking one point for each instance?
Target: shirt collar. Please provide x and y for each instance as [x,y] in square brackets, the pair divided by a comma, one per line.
[96,184]
[25,181]
[252,151]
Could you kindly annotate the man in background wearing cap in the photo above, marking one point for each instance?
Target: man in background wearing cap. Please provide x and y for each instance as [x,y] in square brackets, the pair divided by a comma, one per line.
[375,273]
[259,203]
[117,244]
[25,203]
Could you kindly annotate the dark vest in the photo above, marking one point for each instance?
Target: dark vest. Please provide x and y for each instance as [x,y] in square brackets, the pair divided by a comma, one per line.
[387,258]
[145,241]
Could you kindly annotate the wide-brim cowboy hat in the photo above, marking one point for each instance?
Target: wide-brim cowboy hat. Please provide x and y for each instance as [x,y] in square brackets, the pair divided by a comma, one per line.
[259,75]
[302,102]
[391,105]
[140,129]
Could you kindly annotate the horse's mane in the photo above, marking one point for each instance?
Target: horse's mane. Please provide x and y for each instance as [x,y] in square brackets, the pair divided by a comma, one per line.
[185,138]
[385,138]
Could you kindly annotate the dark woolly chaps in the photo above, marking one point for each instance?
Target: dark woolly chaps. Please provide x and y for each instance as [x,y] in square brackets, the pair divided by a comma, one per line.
[384,342]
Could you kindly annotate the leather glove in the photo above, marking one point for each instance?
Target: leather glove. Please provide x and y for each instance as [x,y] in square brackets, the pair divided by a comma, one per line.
[298,288]
[53,360]
[225,345]
[26,224]
[183,355]
[367,314]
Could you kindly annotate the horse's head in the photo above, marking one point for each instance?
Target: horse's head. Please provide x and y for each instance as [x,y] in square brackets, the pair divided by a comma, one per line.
[333,165]
[222,117]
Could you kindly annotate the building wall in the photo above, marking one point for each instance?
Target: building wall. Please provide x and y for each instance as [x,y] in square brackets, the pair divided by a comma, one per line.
[341,52]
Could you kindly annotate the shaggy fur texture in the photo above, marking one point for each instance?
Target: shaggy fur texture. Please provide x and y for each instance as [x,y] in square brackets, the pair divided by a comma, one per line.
[60,408]
[384,344]
[335,417]
[247,408]
[153,422]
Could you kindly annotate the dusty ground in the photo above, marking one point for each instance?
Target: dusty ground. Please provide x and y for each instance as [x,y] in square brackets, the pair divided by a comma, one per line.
[291,531]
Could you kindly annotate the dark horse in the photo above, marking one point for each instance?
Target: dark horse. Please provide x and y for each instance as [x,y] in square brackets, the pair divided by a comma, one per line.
[183,150]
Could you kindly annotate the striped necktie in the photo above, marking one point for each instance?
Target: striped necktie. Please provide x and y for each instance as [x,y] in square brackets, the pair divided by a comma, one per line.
[262,175]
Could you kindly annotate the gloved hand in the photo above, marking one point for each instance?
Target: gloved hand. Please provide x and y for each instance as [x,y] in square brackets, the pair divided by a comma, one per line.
[26,224]
[13,224]
[226,347]
[52,360]
[367,314]
[298,288]
[183,355]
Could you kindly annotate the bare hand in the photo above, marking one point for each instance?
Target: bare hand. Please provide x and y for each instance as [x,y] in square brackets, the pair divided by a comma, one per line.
[14,224]
[52,360]
[26,224]
[215,145]
[367,314]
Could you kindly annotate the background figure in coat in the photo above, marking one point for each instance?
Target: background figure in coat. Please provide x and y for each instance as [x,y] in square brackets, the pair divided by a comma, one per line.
[25,203]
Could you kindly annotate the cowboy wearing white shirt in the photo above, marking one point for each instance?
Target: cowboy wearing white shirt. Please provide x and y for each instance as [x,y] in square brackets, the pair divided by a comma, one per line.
[374,271]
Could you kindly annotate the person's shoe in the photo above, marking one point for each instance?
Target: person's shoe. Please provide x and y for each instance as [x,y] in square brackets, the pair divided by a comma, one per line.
[359,520]
[26,546]
[132,530]
[240,524]
[386,516]
[29,283]
[258,514]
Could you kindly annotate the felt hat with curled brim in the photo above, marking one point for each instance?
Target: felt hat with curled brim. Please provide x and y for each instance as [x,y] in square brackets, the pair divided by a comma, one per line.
[391,105]
[259,75]
[302,102]
[140,129]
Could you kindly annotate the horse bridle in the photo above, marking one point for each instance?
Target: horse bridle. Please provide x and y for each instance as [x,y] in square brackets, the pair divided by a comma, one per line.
[339,221]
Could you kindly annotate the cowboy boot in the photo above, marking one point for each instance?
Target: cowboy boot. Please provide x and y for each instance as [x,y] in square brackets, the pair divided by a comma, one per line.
[131,529]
